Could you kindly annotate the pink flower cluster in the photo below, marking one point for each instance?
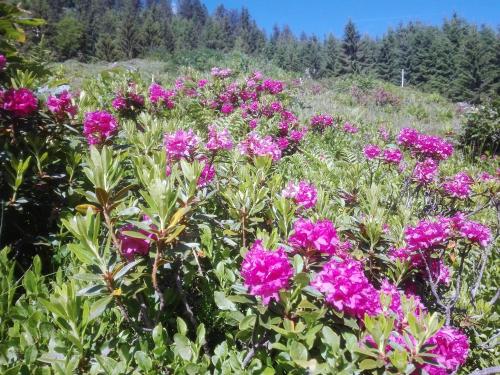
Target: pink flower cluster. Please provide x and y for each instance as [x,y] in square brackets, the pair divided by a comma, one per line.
[129,100]
[132,246]
[392,155]
[428,234]
[350,128]
[451,348]
[321,121]
[273,86]
[303,194]
[99,126]
[181,144]
[254,145]
[158,95]
[266,272]
[221,72]
[472,230]
[425,145]
[346,288]
[207,174]
[218,140]
[425,171]
[62,106]
[371,151]
[320,236]
[20,102]
[459,186]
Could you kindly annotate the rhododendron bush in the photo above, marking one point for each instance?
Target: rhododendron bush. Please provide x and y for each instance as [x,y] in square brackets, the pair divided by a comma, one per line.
[211,225]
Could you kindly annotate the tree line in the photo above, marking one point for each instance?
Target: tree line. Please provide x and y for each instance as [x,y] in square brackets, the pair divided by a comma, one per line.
[458,59]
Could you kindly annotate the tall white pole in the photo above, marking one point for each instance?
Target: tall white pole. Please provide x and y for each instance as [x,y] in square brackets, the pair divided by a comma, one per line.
[402,77]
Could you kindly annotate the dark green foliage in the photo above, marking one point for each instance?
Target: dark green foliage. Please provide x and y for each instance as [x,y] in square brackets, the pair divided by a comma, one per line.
[481,130]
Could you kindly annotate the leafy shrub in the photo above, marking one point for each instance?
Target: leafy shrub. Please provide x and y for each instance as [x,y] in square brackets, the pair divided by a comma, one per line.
[481,130]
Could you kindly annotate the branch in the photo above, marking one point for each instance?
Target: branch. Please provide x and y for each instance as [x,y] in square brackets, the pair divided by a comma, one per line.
[154,278]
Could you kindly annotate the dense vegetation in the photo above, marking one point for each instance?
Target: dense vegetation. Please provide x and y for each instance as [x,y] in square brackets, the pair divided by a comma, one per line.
[459,60]
[229,221]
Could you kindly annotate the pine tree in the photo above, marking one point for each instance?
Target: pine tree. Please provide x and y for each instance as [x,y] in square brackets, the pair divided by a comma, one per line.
[350,49]
[331,51]
[129,34]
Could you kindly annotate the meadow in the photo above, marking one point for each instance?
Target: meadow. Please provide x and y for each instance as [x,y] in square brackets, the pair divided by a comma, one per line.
[239,219]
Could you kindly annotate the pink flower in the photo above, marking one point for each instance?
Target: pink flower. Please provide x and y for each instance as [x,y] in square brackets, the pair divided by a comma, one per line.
[472,230]
[180,144]
[252,124]
[254,145]
[320,236]
[485,177]
[350,128]
[221,72]
[272,86]
[384,133]
[119,103]
[459,186]
[297,135]
[158,95]
[321,121]
[347,289]
[371,152]
[218,140]
[451,347]
[425,145]
[303,194]
[3,62]
[392,155]
[128,101]
[395,307]
[132,246]
[61,105]
[282,143]
[428,234]
[266,272]
[425,171]
[20,102]
[207,175]
[99,126]
[227,108]
[202,83]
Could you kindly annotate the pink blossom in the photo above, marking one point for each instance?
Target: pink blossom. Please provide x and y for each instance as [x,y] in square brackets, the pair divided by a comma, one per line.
[321,121]
[158,95]
[254,145]
[132,246]
[425,171]
[320,236]
[485,177]
[62,105]
[181,144]
[221,72]
[202,83]
[252,124]
[297,135]
[451,347]
[273,86]
[219,140]
[428,234]
[425,145]
[394,307]
[227,108]
[371,152]
[207,175]
[266,272]
[282,143]
[303,194]
[350,128]
[392,155]
[459,186]
[346,288]
[472,230]
[20,102]
[99,126]
[384,133]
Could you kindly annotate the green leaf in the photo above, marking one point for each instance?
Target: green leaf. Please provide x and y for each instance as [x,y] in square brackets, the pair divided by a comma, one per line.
[331,338]
[143,361]
[369,364]
[298,352]
[183,346]
[222,302]
[98,307]
[181,327]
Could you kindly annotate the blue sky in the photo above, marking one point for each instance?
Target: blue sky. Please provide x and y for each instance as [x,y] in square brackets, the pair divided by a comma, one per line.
[321,17]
